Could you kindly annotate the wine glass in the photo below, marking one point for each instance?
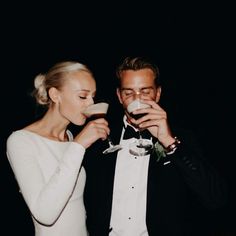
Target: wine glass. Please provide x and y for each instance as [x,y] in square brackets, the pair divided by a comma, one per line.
[99,110]
[139,147]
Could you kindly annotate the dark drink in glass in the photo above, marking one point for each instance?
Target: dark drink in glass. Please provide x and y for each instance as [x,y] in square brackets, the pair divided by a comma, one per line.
[137,116]
[135,105]
[96,111]
[140,147]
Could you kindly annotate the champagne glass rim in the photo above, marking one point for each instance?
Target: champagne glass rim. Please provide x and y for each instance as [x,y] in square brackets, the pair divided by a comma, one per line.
[95,108]
[136,104]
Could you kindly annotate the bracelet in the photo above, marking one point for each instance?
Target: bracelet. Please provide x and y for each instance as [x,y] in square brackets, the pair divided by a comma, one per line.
[172,147]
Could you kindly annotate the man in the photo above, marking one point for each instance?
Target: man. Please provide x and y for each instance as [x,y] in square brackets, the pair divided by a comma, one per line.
[132,195]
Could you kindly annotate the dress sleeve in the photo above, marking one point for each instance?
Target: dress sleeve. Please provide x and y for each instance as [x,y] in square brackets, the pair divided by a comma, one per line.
[45,198]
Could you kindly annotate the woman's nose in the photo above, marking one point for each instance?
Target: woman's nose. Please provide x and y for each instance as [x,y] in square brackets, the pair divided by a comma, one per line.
[91,101]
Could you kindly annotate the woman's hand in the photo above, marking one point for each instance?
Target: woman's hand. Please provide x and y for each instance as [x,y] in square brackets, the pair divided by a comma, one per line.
[94,130]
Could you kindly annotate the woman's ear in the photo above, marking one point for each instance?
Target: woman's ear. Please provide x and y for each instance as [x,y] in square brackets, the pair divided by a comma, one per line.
[53,94]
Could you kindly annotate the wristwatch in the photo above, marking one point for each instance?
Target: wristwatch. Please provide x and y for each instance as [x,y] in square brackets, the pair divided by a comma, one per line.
[172,147]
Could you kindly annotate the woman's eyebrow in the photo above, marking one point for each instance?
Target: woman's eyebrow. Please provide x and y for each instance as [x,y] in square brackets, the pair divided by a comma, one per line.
[82,90]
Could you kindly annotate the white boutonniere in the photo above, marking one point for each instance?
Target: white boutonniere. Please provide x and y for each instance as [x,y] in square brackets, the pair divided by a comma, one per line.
[163,152]
[159,150]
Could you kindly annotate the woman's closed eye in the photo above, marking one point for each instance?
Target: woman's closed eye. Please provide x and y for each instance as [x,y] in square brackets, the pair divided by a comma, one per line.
[87,96]
[83,97]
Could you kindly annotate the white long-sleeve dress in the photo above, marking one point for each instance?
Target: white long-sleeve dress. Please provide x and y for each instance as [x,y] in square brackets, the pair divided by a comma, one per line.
[51,180]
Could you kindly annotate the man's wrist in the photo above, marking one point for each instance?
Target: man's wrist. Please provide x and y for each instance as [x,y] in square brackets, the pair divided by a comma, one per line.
[170,149]
[167,141]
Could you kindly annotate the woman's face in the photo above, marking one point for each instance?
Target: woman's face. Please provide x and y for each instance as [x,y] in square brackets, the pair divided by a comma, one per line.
[76,94]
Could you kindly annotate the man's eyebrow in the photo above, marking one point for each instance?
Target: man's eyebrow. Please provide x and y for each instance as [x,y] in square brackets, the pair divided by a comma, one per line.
[149,87]
[126,89]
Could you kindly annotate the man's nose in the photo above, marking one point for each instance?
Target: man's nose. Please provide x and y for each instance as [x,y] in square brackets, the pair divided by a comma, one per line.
[137,95]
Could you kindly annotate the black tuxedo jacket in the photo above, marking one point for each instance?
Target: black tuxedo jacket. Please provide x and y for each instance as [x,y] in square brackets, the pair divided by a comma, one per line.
[170,191]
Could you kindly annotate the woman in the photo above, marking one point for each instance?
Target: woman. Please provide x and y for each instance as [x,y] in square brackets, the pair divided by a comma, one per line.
[46,159]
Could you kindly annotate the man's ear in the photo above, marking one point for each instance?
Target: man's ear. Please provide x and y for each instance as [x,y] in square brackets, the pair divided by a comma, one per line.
[53,94]
[119,95]
[158,94]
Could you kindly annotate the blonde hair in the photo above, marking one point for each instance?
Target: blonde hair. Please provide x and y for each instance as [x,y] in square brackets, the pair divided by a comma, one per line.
[55,77]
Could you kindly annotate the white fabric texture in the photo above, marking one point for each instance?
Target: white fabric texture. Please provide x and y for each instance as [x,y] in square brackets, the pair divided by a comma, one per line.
[128,215]
[51,182]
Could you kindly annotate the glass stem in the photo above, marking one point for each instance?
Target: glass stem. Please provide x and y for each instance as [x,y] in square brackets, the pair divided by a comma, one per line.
[140,137]
[109,141]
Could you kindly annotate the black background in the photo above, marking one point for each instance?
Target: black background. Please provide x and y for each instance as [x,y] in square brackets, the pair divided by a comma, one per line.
[193,44]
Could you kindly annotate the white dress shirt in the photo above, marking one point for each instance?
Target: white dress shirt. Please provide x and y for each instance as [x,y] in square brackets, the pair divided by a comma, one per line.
[128,217]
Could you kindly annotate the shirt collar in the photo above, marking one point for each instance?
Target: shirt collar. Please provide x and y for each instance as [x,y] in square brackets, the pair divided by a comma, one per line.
[125,121]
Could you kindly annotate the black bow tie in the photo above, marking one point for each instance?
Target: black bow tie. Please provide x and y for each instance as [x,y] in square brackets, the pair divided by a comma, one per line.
[131,133]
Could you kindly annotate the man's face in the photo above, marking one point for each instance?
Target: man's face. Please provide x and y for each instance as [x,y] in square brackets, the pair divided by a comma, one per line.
[138,84]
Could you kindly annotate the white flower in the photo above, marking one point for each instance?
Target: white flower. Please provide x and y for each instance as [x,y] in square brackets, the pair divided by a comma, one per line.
[159,150]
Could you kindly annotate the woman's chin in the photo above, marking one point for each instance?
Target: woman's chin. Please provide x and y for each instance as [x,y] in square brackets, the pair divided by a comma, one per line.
[80,122]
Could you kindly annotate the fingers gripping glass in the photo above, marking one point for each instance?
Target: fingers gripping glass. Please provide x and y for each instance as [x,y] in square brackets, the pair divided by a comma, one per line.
[99,110]
[140,147]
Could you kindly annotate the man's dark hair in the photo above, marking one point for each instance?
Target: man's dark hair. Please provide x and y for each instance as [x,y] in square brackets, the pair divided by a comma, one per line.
[138,63]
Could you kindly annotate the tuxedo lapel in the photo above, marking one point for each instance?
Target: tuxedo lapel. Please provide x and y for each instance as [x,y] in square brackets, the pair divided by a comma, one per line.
[115,132]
